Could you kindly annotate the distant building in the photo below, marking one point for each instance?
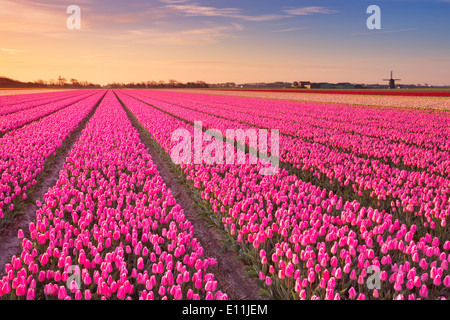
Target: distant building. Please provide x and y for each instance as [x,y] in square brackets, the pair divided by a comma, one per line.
[305,84]
[301,84]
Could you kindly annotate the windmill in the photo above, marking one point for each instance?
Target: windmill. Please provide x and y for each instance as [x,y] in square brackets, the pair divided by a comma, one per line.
[391,82]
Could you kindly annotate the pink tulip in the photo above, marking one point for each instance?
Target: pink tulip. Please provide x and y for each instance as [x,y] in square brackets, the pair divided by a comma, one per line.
[21,290]
[311,276]
[423,291]
[302,294]
[62,293]
[423,264]
[121,292]
[375,293]
[352,293]
[437,280]
[30,294]
[140,263]
[447,281]
[78,295]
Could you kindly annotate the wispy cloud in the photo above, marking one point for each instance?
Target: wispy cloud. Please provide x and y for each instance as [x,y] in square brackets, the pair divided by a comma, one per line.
[174,1]
[383,31]
[97,19]
[194,9]
[205,31]
[309,10]
[11,51]
[290,30]
[98,56]
[198,10]
[46,18]
[238,26]
[180,37]
[264,17]
[196,63]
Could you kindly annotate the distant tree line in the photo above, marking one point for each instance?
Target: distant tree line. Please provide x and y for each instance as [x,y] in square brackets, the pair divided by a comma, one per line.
[62,82]
[52,83]
[160,84]
[277,84]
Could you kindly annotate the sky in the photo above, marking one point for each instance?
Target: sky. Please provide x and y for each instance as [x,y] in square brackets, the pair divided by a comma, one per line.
[226,40]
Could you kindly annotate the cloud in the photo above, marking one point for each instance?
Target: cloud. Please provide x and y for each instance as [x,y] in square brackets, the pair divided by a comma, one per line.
[308,11]
[196,63]
[206,31]
[178,37]
[265,17]
[289,30]
[383,31]
[238,26]
[193,9]
[45,19]
[197,10]
[97,56]
[174,1]
[149,15]
[11,51]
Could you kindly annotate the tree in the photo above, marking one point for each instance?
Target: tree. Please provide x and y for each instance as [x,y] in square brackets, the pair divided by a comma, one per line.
[41,82]
[151,84]
[74,82]
[173,83]
[84,83]
[201,84]
[61,81]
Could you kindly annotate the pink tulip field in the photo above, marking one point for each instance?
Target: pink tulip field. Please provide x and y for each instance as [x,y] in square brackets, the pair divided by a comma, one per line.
[24,150]
[357,209]
[16,103]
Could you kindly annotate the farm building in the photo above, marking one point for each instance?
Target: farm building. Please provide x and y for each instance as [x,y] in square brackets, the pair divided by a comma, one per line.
[301,84]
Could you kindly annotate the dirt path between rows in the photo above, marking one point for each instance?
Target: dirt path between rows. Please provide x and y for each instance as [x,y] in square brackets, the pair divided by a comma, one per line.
[10,244]
[229,274]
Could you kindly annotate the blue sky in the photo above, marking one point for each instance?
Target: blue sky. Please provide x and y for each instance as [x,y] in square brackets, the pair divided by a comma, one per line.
[226,40]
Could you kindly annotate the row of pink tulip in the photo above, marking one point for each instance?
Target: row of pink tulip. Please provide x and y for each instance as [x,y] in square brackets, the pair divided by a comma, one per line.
[304,240]
[356,139]
[421,196]
[112,216]
[337,134]
[21,102]
[392,181]
[426,103]
[396,124]
[17,119]
[24,151]
[12,99]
